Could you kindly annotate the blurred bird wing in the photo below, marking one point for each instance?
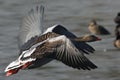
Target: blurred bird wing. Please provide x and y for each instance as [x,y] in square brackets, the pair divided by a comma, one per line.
[31,25]
[103,30]
[63,49]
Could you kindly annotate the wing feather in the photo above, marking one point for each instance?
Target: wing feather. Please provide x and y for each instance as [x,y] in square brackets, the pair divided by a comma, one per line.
[66,52]
[31,25]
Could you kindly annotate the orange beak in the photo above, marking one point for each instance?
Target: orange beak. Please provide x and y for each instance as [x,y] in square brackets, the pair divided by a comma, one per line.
[13,71]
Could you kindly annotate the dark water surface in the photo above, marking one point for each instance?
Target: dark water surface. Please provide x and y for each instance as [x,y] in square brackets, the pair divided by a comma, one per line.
[75,15]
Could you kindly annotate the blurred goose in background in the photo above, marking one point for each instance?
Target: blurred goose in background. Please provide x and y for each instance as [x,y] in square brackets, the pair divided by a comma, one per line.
[117,40]
[97,29]
[117,18]
[117,21]
[117,30]
[38,47]
[88,38]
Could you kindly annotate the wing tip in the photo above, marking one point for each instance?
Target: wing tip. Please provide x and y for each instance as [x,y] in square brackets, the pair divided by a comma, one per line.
[37,8]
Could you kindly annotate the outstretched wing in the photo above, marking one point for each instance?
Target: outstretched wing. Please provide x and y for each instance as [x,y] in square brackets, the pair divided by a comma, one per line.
[32,25]
[63,49]
[59,29]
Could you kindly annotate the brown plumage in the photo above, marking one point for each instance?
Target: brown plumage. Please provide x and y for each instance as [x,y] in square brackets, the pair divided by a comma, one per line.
[97,29]
[63,49]
[57,49]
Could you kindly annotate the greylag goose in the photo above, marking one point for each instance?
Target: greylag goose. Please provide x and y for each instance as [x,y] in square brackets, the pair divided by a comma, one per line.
[38,46]
[97,29]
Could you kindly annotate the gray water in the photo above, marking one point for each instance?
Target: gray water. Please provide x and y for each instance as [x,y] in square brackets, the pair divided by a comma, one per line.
[75,15]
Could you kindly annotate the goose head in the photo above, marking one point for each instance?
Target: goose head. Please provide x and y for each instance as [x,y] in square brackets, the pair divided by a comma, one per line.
[15,66]
[22,62]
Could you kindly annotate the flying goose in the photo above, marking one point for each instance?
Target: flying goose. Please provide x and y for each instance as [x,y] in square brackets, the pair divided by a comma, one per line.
[57,47]
[38,46]
[97,29]
[32,28]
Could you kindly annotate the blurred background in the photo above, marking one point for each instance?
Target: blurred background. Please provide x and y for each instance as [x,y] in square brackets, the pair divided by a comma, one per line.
[75,15]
